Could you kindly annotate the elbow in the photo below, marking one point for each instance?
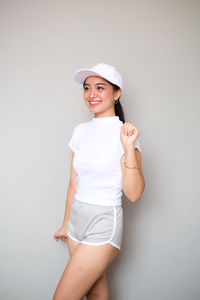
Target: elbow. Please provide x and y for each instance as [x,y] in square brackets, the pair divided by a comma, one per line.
[133,198]
[136,196]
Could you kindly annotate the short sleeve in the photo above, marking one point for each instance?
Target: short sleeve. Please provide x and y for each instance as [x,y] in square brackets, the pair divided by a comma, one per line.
[73,142]
[137,144]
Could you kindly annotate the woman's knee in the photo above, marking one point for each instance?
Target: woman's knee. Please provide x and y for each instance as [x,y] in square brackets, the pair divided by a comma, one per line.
[98,295]
[99,290]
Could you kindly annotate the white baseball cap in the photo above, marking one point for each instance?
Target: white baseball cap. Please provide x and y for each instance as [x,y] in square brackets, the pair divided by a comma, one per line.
[105,71]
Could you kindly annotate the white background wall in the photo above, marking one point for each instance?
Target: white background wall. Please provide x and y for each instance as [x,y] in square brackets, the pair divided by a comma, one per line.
[155,45]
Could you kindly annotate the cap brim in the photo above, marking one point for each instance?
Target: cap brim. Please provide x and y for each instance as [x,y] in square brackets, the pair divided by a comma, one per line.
[80,75]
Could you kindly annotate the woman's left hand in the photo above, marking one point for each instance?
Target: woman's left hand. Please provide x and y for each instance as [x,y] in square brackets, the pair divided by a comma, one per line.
[128,135]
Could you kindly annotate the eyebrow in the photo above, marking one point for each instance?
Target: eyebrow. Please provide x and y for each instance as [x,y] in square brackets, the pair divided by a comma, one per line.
[97,83]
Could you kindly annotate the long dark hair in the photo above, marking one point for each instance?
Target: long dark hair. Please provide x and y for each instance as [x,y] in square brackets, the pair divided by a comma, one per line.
[118,107]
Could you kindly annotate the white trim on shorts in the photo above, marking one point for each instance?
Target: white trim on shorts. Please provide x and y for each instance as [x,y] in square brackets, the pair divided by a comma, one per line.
[101,243]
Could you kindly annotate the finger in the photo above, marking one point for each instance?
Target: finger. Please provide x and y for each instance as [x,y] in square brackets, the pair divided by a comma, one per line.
[124,128]
[132,128]
[131,131]
[127,128]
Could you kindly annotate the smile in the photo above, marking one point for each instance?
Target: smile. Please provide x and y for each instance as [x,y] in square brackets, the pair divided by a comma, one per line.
[94,103]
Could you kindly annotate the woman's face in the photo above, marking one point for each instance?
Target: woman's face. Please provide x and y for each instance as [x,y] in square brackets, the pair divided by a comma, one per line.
[100,96]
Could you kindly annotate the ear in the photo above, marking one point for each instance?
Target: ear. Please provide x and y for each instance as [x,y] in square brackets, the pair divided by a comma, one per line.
[117,94]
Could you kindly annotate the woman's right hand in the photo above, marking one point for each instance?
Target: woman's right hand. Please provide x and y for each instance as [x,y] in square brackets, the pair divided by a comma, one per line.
[61,234]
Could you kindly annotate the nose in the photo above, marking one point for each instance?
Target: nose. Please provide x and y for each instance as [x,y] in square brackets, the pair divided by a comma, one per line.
[92,93]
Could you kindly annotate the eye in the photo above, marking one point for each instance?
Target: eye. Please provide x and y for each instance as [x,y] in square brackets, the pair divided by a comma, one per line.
[85,88]
[100,88]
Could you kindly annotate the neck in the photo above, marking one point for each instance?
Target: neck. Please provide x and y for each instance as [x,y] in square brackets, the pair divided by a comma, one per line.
[103,115]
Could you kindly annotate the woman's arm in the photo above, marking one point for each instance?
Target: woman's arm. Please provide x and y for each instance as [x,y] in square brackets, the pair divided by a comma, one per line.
[132,179]
[71,191]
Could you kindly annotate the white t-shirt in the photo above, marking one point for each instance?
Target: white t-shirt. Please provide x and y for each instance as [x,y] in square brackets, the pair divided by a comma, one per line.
[98,149]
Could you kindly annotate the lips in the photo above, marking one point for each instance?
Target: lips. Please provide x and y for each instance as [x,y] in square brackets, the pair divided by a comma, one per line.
[93,104]
[95,100]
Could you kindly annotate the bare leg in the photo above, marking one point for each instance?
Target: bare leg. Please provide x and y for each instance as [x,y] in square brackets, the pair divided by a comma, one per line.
[72,245]
[99,290]
[84,268]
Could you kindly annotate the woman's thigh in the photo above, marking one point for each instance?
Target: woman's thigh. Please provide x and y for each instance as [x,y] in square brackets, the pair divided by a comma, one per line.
[100,287]
[84,268]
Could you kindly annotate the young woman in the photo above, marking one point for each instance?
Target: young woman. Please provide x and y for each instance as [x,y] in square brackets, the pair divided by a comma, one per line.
[106,160]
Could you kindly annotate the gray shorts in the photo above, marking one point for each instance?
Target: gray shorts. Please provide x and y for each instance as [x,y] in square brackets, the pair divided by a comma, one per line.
[95,225]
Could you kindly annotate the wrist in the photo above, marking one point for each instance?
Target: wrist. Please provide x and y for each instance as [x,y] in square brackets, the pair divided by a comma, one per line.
[129,150]
[130,158]
[64,225]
